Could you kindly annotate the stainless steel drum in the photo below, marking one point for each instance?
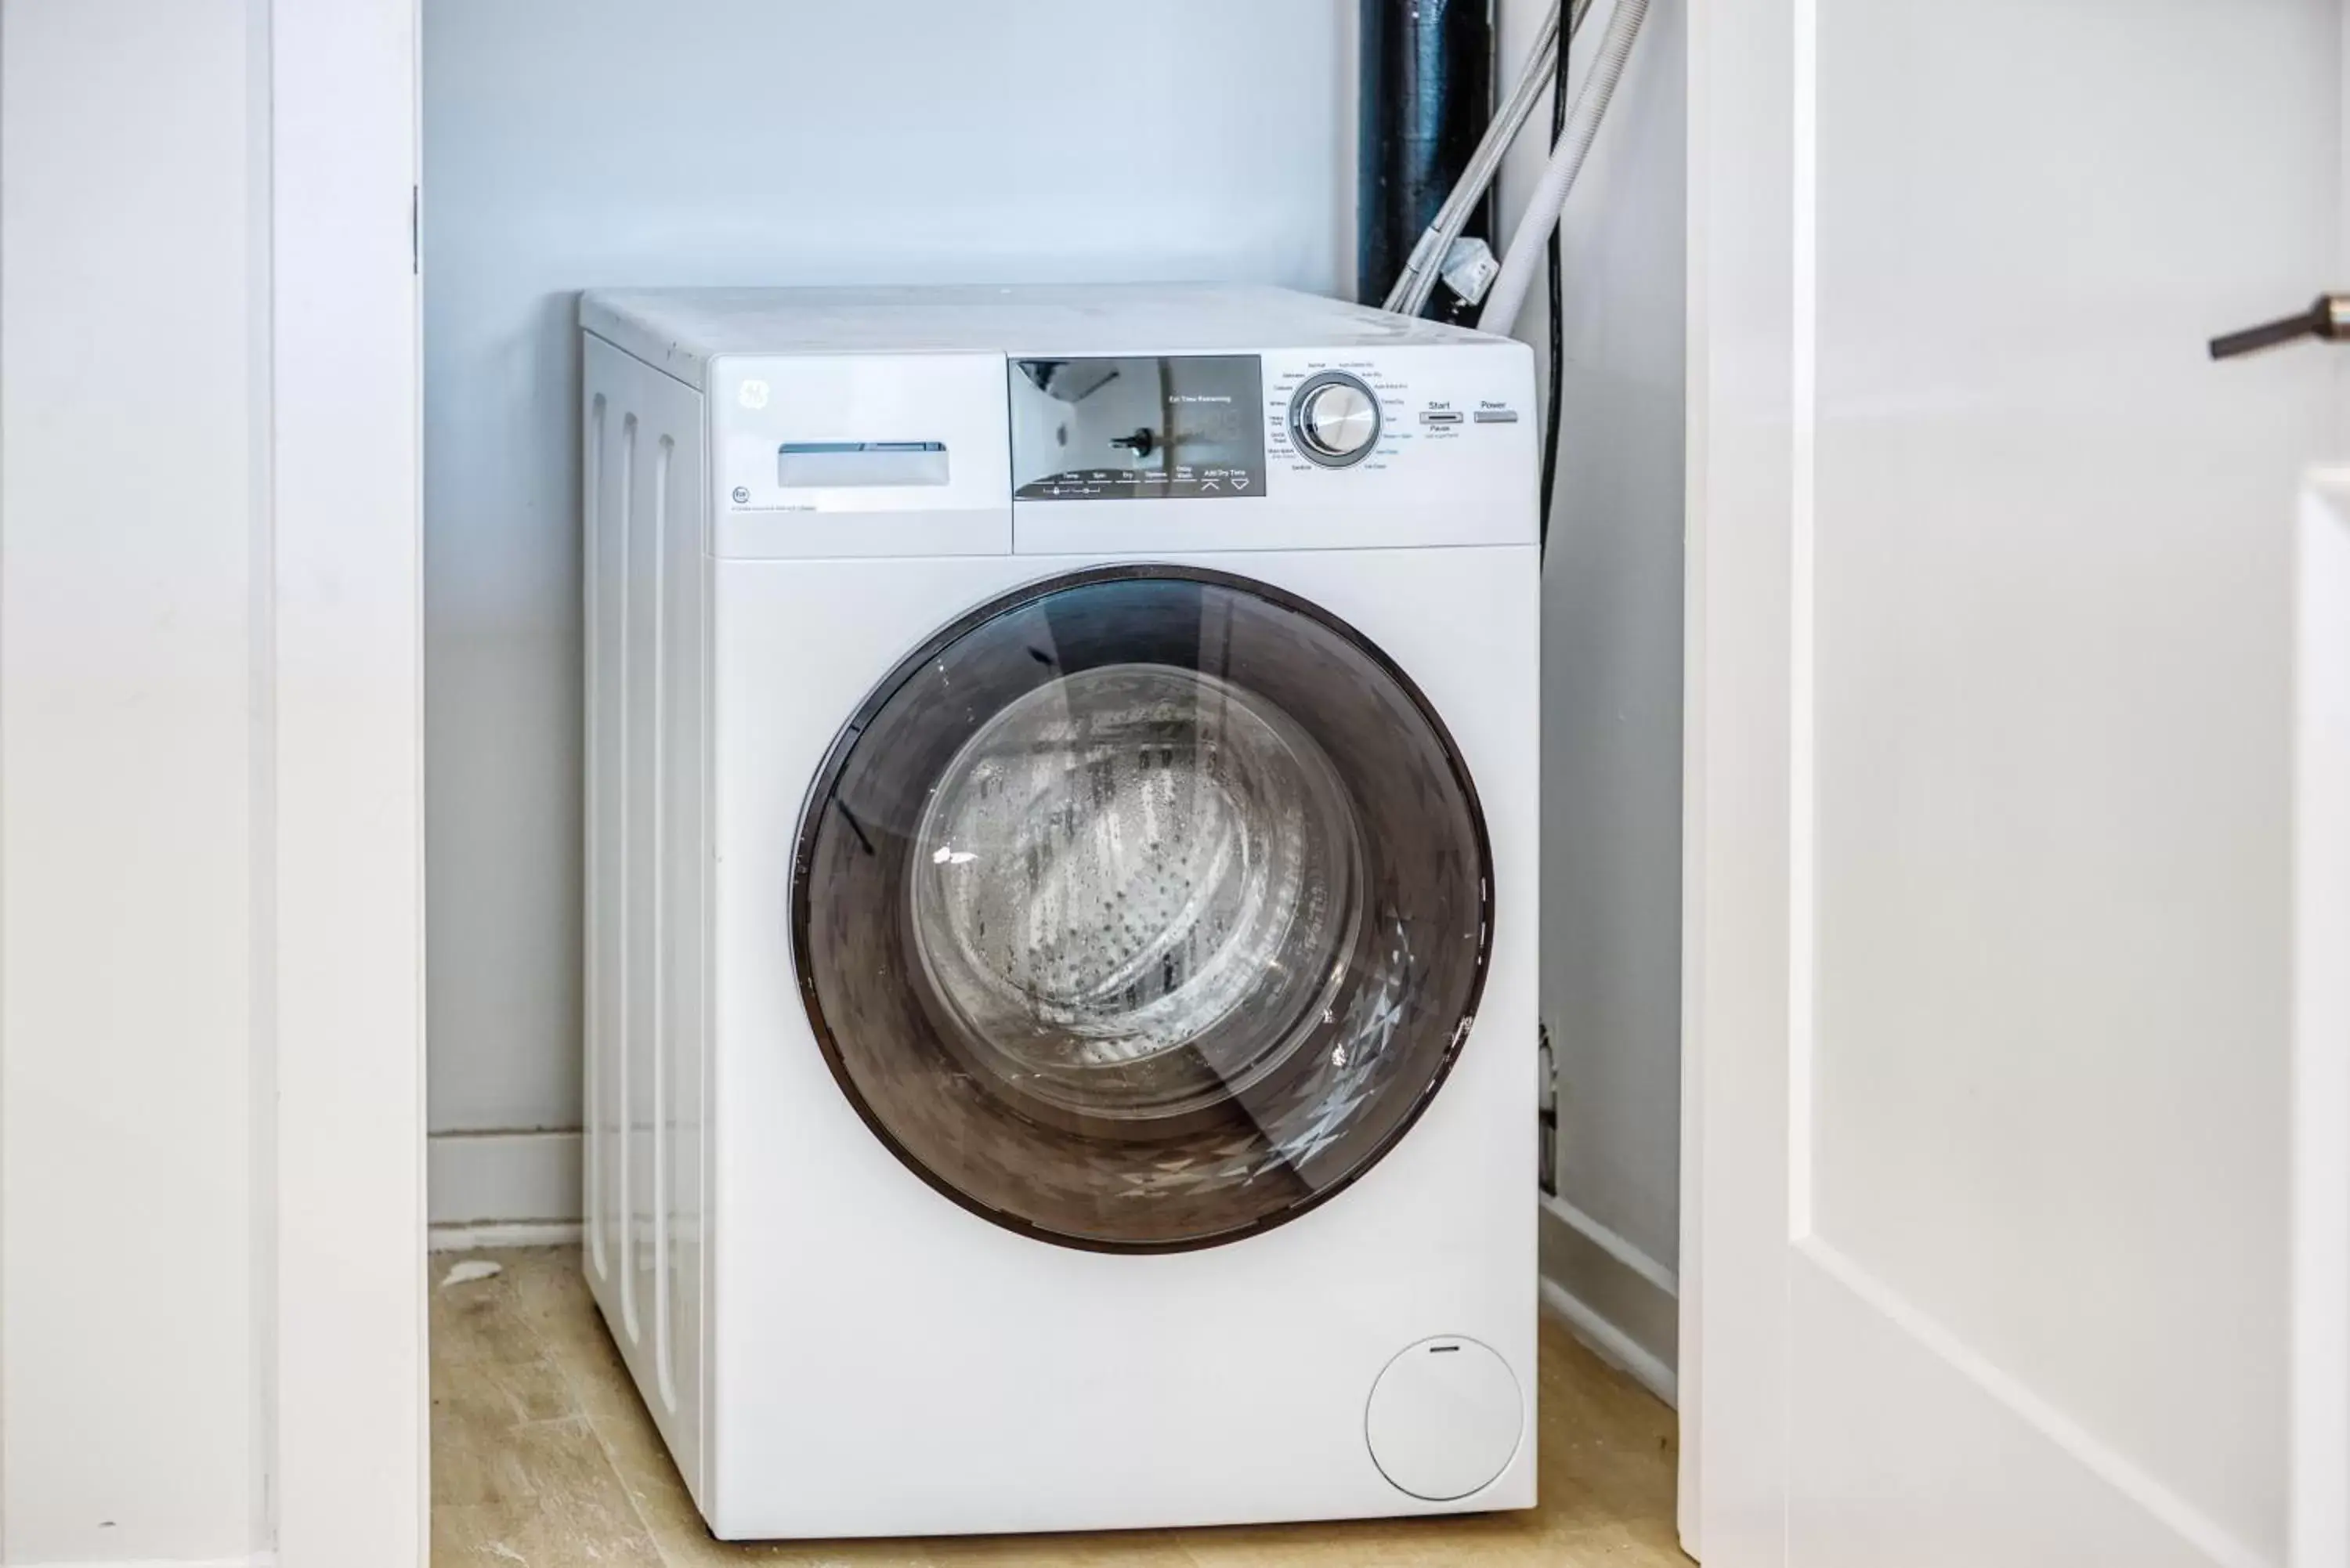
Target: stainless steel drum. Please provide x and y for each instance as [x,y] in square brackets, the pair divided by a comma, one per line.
[1116,866]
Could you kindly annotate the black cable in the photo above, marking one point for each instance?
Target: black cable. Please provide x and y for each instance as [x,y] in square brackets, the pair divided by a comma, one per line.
[1557,264]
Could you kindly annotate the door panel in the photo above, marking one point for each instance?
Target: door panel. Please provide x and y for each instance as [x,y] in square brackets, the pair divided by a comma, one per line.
[2050,686]
[2321,1380]
[1143,908]
[1938,1459]
[1995,587]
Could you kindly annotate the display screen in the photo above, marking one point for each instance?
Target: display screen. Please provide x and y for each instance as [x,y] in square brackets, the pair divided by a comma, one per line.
[1141,427]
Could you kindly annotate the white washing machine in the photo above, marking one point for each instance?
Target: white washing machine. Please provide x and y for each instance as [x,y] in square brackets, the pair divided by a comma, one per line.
[1061,884]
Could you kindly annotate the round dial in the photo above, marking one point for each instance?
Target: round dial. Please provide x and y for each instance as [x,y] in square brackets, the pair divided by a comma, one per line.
[1334,420]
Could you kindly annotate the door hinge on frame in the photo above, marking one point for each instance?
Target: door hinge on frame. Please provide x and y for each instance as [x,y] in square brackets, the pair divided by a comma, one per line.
[1547,1161]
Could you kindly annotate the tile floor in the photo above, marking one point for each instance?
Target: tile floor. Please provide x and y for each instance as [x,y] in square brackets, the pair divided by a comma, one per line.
[543,1458]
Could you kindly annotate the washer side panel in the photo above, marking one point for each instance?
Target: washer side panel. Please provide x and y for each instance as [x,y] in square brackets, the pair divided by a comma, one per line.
[645,583]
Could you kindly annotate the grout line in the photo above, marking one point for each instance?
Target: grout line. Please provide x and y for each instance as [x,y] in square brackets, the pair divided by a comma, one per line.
[627,1492]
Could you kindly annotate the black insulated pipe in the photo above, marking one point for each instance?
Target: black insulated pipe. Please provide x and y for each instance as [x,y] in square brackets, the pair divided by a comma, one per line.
[1427,95]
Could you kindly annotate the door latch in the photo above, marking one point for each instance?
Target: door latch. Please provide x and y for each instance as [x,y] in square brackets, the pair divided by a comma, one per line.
[2329,317]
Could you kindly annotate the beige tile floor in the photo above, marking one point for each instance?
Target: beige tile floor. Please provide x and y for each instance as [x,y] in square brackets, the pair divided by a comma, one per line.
[543,1458]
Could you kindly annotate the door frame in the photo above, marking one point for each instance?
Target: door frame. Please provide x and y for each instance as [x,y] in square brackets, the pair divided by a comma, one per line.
[342,685]
[1745,728]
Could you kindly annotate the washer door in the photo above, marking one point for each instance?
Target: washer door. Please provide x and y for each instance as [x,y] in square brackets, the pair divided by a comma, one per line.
[1142,908]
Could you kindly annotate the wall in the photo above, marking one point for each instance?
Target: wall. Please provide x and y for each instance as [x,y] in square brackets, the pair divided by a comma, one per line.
[1612,698]
[132,535]
[574,144]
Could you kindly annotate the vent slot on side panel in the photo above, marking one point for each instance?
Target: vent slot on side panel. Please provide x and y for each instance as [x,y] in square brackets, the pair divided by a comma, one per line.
[598,578]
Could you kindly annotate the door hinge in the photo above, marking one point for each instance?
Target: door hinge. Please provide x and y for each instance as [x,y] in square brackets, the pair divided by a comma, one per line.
[1548,1111]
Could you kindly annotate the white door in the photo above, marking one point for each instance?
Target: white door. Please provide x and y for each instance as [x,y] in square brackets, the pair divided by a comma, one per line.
[1993,744]
[2321,1029]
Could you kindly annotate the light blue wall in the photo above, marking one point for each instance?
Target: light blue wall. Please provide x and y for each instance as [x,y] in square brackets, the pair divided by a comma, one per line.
[596,143]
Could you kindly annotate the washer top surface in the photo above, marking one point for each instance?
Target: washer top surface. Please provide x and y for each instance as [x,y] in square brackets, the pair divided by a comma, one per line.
[682,329]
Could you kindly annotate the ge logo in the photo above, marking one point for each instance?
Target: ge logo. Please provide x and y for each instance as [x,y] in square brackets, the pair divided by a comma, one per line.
[742,493]
[753,394]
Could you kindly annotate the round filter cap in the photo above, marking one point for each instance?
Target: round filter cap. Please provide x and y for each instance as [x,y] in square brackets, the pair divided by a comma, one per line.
[1445,1419]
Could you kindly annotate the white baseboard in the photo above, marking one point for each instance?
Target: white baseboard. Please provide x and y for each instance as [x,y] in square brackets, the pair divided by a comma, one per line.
[502,1179]
[1610,1343]
[258,1560]
[1616,1299]
[503,1233]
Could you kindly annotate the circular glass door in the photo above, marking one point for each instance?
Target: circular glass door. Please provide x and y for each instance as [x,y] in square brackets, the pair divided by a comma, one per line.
[1142,908]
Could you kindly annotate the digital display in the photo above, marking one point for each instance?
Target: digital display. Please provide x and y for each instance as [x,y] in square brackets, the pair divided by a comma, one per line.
[1189,426]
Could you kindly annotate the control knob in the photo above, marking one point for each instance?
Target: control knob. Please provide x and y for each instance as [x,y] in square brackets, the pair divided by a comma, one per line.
[1334,420]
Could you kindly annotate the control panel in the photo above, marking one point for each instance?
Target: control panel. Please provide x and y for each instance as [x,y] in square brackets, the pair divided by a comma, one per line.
[1356,446]
[1178,427]
[1440,415]
[927,452]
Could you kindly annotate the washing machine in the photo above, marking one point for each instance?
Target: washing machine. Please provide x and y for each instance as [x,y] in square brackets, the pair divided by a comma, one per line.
[1060,887]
